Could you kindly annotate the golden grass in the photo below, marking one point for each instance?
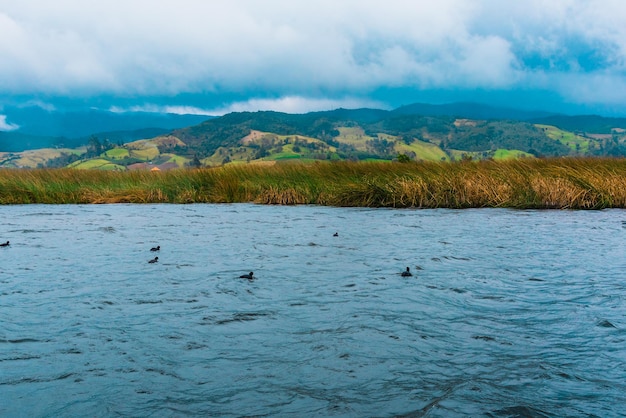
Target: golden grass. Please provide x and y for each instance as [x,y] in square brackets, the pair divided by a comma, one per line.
[568,183]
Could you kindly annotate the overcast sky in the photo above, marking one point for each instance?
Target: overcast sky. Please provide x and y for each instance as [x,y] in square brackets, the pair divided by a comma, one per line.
[214,56]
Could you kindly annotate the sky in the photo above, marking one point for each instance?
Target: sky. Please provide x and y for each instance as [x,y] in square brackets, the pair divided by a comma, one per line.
[215,56]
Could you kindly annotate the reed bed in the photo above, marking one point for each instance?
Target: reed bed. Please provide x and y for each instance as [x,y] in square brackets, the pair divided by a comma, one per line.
[564,183]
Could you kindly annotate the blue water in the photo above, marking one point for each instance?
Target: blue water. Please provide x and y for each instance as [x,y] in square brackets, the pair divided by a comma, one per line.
[509,313]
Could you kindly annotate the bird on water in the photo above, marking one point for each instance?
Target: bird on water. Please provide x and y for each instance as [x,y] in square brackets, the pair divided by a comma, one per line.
[4,244]
[406,273]
[157,248]
[154,260]
[247,276]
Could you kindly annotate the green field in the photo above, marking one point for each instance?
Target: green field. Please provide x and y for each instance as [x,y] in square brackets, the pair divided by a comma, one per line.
[423,150]
[117,153]
[505,154]
[286,154]
[177,159]
[145,154]
[576,143]
[355,137]
[98,164]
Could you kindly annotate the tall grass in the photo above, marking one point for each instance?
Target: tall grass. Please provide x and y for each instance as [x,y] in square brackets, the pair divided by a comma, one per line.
[525,183]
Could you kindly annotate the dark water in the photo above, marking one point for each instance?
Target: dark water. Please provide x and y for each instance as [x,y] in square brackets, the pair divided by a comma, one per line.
[510,313]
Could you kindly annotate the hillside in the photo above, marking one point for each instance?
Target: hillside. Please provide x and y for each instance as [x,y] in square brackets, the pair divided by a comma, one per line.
[343,134]
[363,134]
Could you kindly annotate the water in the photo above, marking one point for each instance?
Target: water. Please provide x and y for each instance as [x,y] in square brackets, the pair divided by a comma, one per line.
[509,313]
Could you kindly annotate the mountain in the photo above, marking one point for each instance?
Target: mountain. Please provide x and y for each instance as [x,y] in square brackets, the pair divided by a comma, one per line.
[375,129]
[76,124]
[355,115]
[15,141]
[416,132]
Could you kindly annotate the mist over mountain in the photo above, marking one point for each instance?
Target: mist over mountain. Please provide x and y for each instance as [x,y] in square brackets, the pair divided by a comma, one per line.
[470,110]
[76,124]
[34,127]
[583,123]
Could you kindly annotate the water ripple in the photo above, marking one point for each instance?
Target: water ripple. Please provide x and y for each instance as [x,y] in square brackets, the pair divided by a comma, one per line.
[508,313]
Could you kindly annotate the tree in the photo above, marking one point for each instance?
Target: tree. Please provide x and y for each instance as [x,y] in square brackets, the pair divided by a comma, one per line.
[94,147]
[403,158]
[195,162]
[262,152]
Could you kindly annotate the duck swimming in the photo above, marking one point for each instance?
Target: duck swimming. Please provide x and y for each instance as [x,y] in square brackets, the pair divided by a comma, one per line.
[157,248]
[247,276]
[406,273]
[154,260]
[4,244]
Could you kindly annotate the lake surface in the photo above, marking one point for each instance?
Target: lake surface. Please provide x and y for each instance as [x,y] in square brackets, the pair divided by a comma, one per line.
[508,313]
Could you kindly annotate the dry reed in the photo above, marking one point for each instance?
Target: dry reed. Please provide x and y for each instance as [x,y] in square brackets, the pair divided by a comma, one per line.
[566,183]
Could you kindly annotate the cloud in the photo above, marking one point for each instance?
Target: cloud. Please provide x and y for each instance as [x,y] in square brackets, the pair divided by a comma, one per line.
[135,49]
[288,104]
[5,126]
[153,108]
[295,104]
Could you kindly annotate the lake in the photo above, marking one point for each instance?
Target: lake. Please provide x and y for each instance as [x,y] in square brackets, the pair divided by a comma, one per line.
[508,313]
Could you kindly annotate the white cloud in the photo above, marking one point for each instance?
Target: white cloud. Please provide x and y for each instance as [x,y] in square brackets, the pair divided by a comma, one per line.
[602,89]
[137,48]
[288,104]
[153,108]
[5,126]
[295,104]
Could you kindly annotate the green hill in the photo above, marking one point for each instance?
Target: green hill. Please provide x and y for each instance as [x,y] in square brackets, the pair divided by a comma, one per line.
[363,134]
[343,134]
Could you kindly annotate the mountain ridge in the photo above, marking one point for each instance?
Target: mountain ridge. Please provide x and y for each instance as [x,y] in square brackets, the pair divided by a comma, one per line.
[417,132]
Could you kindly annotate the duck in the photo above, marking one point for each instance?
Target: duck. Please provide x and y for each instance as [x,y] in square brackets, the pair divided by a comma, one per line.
[4,244]
[157,248]
[154,260]
[406,273]
[247,276]
[336,234]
